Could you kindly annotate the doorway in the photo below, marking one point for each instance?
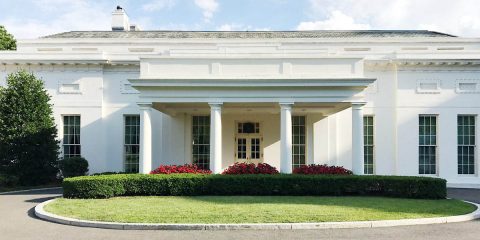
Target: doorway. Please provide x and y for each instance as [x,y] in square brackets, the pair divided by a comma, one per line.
[248,141]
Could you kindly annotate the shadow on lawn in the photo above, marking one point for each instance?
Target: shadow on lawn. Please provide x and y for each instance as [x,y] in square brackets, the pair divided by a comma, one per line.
[384,204]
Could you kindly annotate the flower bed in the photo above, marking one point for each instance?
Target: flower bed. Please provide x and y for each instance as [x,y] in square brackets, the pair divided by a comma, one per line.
[107,186]
[187,168]
[250,168]
[322,169]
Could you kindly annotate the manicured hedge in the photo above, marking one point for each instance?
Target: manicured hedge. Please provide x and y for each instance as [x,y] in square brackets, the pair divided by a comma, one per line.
[107,186]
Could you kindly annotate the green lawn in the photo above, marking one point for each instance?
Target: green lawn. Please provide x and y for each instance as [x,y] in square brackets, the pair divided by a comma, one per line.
[253,209]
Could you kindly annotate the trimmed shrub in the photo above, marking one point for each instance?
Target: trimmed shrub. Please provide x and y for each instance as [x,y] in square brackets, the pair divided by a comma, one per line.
[106,186]
[73,167]
[250,168]
[187,168]
[322,169]
[8,180]
[106,173]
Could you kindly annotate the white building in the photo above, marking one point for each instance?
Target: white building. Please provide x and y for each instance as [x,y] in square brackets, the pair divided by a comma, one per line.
[377,102]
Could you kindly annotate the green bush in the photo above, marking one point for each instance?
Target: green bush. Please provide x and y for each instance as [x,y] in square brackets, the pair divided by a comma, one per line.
[106,186]
[73,167]
[7,180]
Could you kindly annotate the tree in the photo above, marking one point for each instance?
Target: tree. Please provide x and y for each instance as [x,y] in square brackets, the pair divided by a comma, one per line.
[28,145]
[7,41]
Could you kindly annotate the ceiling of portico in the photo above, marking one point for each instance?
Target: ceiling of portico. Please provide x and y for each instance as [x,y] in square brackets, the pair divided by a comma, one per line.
[325,109]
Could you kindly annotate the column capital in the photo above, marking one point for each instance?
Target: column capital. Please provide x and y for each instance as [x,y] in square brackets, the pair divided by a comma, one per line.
[145,105]
[285,105]
[358,105]
[215,104]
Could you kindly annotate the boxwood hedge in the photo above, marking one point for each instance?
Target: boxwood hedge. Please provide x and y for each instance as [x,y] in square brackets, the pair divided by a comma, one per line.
[106,186]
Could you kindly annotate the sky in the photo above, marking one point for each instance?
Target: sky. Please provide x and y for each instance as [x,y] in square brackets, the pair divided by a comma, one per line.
[34,18]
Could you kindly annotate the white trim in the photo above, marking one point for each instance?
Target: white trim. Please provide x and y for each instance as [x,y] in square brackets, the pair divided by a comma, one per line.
[62,83]
[421,82]
[467,81]
[126,88]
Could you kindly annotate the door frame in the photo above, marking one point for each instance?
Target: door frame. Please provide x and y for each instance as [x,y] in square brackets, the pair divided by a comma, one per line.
[248,137]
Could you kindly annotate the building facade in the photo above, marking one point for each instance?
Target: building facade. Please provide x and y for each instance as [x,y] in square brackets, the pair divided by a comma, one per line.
[376,102]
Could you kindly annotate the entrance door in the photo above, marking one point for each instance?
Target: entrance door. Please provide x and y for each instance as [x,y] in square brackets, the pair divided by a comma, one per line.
[248,143]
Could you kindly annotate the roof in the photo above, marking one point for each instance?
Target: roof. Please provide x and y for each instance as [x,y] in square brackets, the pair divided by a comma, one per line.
[253,34]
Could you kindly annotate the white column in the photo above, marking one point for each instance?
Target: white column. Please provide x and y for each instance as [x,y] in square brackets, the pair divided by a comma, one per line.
[357,138]
[216,137]
[286,137]
[145,164]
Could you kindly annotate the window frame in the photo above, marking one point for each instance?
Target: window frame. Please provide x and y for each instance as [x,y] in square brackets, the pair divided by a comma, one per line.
[436,146]
[372,145]
[467,145]
[305,145]
[124,153]
[240,134]
[79,135]
[205,165]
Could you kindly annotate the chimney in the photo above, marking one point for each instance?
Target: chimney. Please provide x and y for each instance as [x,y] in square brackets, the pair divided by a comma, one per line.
[120,20]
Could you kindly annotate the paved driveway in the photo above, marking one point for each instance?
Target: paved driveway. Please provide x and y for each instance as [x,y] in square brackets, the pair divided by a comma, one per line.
[17,221]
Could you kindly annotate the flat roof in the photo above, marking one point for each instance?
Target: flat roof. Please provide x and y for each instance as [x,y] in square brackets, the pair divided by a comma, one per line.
[253,34]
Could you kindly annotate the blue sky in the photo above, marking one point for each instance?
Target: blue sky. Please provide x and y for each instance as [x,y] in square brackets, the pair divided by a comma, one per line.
[34,18]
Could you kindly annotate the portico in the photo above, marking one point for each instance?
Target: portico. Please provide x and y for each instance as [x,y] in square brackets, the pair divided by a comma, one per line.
[226,111]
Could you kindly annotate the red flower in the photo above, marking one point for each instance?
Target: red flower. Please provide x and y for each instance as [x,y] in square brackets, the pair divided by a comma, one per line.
[322,169]
[187,168]
[250,168]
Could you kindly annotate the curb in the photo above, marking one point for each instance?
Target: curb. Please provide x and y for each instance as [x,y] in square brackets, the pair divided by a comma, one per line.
[41,213]
[28,190]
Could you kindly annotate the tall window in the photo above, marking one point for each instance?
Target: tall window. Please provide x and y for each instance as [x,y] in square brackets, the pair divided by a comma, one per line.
[368,145]
[71,136]
[132,143]
[201,141]
[466,144]
[298,141]
[427,144]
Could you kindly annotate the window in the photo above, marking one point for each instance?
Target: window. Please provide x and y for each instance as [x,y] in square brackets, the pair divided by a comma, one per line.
[71,136]
[201,141]
[427,144]
[368,145]
[298,141]
[131,143]
[466,144]
[248,127]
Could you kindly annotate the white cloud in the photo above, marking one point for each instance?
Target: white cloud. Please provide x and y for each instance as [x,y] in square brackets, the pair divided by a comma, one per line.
[239,27]
[336,21]
[459,17]
[231,27]
[158,5]
[208,7]
[69,16]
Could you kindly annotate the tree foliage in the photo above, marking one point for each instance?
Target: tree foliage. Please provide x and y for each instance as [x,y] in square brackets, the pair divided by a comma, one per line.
[7,41]
[28,145]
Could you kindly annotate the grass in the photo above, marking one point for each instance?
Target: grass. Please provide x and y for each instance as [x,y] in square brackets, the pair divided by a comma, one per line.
[253,209]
